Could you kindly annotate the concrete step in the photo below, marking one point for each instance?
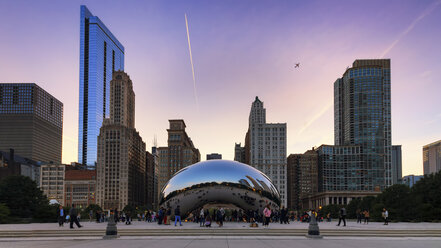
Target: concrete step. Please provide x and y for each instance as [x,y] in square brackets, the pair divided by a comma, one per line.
[219,232]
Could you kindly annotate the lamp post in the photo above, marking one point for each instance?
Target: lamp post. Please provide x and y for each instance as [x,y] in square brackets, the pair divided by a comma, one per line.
[313,229]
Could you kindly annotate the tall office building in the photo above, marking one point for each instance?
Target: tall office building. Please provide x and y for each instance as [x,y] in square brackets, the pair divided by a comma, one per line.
[179,153]
[432,157]
[267,147]
[31,122]
[362,117]
[239,153]
[151,178]
[100,54]
[302,179]
[397,167]
[121,151]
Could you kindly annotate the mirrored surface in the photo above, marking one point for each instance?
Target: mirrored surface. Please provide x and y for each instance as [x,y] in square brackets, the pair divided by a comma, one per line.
[219,181]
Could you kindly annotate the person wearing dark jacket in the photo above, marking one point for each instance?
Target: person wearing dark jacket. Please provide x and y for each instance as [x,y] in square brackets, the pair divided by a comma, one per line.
[178,215]
[73,213]
[342,216]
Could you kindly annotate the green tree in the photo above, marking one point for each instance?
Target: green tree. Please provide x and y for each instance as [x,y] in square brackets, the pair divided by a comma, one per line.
[4,213]
[21,195]
[94,207]
[334,209]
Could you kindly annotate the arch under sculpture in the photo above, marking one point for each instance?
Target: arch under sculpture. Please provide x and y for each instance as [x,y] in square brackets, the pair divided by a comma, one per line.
[219,181]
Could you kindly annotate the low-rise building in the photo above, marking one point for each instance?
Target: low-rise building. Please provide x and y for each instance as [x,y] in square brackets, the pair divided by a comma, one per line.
[214,156]
[80,187]
[410,180]
[11,164]
[52,181]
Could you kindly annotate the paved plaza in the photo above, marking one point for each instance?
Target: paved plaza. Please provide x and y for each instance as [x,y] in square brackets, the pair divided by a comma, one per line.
[351,225]
[231,242]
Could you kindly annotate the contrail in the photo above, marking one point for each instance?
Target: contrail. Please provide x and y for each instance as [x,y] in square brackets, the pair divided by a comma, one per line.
[316,117]
[411,26]
[191,61]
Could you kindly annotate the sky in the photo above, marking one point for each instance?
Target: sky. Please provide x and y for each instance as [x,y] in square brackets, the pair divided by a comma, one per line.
[240,50]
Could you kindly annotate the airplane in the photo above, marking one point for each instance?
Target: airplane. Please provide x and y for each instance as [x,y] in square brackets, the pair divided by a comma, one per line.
[297,65]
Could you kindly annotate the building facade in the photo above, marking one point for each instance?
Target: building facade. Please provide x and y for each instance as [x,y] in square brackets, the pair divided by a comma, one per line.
[362,117]
[397,167]
[121,151]
[179,153]
[239,153]
[432,157]
[100,54]
[267,147]
[79,187]
[31,122]
[151,178]
[302,179]
[410,180]
[214,156]
[52,181]
[13,165]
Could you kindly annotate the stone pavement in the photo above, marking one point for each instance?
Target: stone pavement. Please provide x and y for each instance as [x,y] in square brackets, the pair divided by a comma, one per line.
[231,242]
[351,225]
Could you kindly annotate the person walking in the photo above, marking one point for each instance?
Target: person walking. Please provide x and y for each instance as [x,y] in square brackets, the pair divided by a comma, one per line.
[366,216]
[385,216]
[342,216]
[178,215]
[73,213]
[201,218]
[168,215]
[358,213]
[60,216]
[267,215]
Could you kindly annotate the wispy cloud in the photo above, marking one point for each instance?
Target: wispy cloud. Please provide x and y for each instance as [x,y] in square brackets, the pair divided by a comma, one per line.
[191,61]
[316,117]
[425,13]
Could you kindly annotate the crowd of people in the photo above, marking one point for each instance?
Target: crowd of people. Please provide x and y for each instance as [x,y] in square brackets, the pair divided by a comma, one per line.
[205,217]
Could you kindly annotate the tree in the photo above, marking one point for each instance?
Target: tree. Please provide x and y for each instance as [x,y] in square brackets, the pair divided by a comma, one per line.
[94,207]
[21,195]
[4,213]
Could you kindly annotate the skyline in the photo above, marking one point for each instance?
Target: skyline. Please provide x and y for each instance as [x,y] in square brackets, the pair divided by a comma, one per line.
[265,41]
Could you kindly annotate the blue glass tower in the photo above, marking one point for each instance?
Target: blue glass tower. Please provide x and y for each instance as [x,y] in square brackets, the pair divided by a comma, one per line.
[100,54]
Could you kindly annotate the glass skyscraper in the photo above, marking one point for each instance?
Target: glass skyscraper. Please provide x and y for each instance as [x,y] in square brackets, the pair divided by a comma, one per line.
[100,54]
[362,117]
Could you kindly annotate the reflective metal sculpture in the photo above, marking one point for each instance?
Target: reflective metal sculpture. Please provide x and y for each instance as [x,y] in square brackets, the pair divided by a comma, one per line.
[219,181]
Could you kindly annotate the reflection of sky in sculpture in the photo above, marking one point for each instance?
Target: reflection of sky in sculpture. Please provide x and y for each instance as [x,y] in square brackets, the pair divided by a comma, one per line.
[219,171]
[219,181]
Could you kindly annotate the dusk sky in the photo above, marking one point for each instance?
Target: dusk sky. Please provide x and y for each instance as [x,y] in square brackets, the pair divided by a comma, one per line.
[241,49]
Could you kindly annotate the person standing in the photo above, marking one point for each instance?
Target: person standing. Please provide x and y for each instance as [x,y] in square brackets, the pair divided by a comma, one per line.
[267,215]
[60,216]
[168,214]
[201,218]
[366,216]
[73,213]
[342,216]
[358,212]
[385,216]
[178,215]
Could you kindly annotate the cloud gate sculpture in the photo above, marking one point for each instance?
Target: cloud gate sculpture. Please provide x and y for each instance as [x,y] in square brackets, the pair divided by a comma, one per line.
[219,182]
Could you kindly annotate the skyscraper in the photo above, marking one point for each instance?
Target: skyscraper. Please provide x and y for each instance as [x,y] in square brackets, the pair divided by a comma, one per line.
[179,153]
[432,157]
[121,152]
[267,147]
[100,54]
[362,116]
[397,167]
[31,122]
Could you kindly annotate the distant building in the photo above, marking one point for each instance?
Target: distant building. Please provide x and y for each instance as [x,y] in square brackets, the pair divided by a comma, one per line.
[239,153]
[52,181]
[432,157]
[302,179]
[151,178]
[31,122]
[100,55]
[265,147]
[410,180]
[121,151]
[214,156]
[397,167]
[14,165]
[179,153]
[79,187]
